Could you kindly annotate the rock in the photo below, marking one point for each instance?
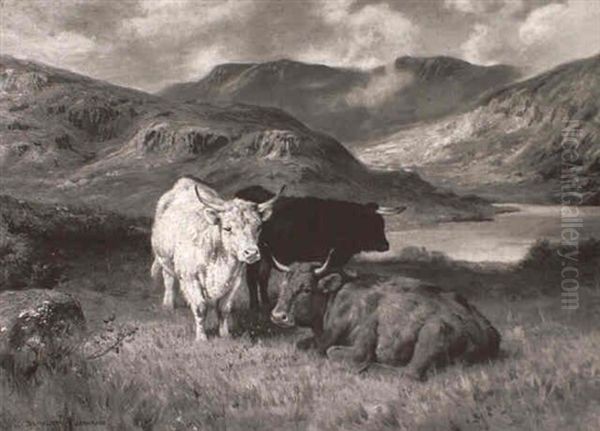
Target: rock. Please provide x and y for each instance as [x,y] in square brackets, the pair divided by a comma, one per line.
[178,140]
[37,327]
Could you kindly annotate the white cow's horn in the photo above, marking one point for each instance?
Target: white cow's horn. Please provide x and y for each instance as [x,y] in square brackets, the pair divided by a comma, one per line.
[209,199]
[323,268]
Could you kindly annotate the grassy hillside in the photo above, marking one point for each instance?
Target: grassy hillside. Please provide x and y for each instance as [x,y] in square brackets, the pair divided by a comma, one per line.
[349,104]
[37,242]
[68,138]
[547,379]
[512,144]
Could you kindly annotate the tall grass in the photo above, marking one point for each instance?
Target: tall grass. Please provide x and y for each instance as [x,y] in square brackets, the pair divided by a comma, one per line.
[549,379]
[159,379]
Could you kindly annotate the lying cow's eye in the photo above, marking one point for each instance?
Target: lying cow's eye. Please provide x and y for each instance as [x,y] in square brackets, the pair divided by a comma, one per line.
[227,229]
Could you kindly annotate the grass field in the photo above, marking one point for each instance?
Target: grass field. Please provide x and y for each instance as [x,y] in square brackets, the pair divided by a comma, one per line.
[548,377]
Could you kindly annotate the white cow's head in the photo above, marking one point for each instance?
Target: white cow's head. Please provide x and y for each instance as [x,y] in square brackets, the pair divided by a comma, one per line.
[239,222]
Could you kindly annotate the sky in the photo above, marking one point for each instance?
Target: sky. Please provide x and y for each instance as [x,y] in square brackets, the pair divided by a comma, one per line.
[148,44]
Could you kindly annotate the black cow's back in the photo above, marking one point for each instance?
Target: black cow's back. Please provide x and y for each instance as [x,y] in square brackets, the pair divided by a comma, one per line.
[304,229]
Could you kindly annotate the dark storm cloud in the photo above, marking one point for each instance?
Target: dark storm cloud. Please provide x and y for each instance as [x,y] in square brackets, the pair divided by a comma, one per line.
[150,43]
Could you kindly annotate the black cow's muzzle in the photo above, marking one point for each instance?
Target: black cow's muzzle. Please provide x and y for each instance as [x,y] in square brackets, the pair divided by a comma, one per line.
[383,246]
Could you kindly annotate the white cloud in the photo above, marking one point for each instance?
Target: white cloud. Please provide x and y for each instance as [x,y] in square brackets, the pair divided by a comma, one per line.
[466,6]
[173,18]
[541,23]
[149,43]
[365,37]
[566,31]
[557,33]
[482,7]
[474,48]
[24,35]
[379,88]
[547,36]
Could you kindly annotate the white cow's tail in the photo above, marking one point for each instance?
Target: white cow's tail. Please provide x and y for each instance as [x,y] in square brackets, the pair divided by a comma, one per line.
[156,271]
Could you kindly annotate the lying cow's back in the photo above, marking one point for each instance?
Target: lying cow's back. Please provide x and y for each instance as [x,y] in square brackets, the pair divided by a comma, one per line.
[401,312]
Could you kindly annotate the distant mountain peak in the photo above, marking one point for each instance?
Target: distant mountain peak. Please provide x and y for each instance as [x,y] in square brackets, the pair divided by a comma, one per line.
[513,135]
[349,103]
[445,66]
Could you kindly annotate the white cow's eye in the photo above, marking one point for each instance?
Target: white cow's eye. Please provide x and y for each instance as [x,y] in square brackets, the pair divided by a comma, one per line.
[227,229]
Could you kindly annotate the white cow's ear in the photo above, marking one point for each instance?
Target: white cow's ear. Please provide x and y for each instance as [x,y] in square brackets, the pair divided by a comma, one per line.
[266,214]
[331,283]
[211,215]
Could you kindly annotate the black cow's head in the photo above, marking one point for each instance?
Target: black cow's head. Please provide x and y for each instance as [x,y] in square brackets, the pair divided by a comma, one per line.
[303,292]
[370,232]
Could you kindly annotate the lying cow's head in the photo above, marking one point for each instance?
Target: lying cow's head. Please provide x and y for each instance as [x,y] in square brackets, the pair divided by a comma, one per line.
[239,222]
[303,292]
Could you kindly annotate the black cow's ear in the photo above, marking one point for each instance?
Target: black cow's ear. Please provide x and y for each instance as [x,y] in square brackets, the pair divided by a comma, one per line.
[330,283]
[372,205]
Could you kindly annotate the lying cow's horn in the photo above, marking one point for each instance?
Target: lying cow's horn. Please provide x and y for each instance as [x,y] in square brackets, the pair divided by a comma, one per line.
[280,266]
[208,199]
[323,268]
[390,210]
[268,204]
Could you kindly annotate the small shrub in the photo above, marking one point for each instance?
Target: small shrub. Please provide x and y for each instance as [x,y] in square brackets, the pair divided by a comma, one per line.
[548,255]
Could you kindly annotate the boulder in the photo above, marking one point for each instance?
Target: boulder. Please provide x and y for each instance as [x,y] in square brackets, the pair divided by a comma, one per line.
[37,327]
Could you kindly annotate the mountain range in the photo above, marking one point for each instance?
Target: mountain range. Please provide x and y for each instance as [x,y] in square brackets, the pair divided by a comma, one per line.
[68,138]
[350,104]
[516,143]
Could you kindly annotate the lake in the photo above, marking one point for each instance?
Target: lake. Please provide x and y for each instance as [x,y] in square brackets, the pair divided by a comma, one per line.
[505,239]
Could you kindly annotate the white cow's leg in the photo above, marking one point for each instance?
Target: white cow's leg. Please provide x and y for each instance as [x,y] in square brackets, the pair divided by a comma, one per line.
[199,311]
[199,316]
[169,298]
[224,308]
[193,294]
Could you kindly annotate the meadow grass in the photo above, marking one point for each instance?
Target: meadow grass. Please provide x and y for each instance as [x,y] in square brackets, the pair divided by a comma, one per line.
[548,377]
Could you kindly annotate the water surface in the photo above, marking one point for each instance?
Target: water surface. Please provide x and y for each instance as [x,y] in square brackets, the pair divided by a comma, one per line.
[505,239]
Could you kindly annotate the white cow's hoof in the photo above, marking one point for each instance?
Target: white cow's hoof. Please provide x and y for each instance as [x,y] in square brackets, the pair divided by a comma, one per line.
[201,338]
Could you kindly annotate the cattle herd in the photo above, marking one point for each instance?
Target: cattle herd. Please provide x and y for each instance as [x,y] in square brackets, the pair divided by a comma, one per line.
[209,246]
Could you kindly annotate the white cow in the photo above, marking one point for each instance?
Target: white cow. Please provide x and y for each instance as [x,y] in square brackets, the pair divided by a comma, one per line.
[205,243]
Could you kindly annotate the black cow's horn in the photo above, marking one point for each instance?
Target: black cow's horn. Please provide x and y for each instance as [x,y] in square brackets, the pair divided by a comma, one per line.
[390,210]
[323,268]
[209,199]
[280,266]
[268,204]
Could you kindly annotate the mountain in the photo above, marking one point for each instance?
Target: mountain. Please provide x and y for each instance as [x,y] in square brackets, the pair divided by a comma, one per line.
[516,140]
[349,104]
[69,138]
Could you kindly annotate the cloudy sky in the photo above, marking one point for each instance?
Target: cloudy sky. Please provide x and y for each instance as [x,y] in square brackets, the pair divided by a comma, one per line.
[148,44]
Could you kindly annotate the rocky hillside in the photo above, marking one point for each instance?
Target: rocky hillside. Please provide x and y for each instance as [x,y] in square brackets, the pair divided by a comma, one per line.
[347,103]
[69,138]
[515,138]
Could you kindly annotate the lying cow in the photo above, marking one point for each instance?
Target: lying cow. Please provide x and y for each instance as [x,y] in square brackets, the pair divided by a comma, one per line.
[204,242]
[418,328]
[304,229]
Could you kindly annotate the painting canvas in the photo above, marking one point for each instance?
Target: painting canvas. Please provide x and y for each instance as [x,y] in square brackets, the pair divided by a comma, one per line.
[299,215]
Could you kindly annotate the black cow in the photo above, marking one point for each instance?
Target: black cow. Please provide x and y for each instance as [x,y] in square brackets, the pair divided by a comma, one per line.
[305,229]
